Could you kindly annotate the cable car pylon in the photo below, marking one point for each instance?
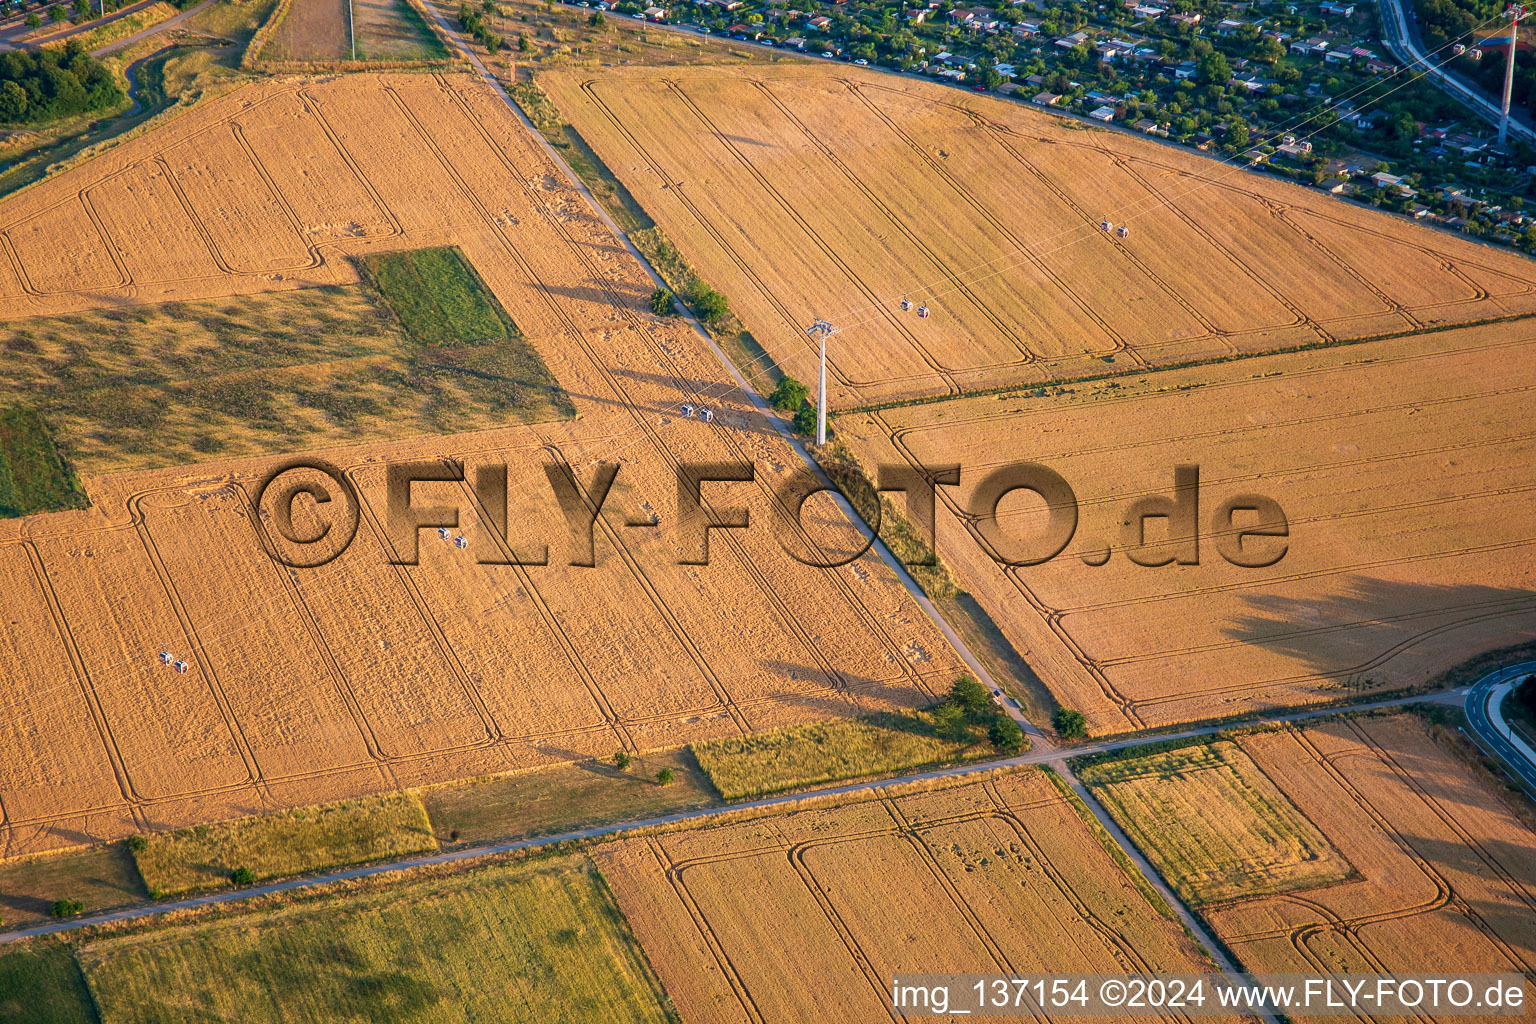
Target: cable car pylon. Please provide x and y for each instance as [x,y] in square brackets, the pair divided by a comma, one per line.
[820,330]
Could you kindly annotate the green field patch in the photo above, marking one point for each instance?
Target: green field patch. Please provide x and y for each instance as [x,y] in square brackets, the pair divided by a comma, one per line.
[33,476]
[535,941]
[41,984]
[294,842]
[1214,825]
[438,297]
[822,752]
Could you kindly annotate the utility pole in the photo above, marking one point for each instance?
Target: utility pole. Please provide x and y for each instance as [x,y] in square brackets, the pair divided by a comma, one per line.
[820,330]
[1516,12]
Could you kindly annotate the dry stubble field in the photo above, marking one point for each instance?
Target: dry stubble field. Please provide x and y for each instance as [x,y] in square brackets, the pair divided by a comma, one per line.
[1405,468]
[1443,861]
[805,192]
[306,686]
[807,915]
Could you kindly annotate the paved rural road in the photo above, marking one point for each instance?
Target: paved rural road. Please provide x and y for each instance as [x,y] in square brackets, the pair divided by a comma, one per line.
[13,30]
[1399,37]
[1488,722]
[1045,754]
[171,22]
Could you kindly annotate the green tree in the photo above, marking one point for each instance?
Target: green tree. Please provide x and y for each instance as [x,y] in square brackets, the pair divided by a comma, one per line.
[665,777]
[1237,135]
[708,304]
[661,302]
[56,13]
[969,696]
[1213,69]
[949,721]
[13,102]
[621,760]
[137,843]
[66,908]
[242,876]
[1069,724]
[804,422]
[788,394]
[34,20]
[1005,734]
[596,20]
[524,44]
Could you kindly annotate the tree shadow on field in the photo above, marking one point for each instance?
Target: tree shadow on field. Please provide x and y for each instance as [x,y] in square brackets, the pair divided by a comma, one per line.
[1352,636]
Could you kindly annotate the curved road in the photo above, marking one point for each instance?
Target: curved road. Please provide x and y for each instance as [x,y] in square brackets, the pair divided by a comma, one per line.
[1487,721]
[1399,36]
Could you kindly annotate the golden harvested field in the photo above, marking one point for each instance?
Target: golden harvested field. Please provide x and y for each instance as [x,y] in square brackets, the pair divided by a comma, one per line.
[307,686]
[805,192]
[1404,467]
[1444,860]
[1215,826]
[807,915]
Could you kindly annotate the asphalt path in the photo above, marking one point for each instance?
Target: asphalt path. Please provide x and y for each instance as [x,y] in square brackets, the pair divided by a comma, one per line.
[11,31]
[171,22]
[1489,725]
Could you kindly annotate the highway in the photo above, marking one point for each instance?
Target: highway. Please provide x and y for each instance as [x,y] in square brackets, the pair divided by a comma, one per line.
[1399,36]
[1488,723]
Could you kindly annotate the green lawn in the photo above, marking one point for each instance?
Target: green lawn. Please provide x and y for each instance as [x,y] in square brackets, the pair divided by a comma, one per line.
[33,476]
[296,842]
[822,752]
[40,984]
[538,941]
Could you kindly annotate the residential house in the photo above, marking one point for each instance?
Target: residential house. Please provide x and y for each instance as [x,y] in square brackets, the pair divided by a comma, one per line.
[1191,19]
[1336,9]
[1046,99]
[820,23]
[1104,113]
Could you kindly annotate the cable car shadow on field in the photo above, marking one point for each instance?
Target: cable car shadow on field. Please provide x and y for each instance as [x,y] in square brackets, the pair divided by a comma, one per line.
[832,699]
[1357,631]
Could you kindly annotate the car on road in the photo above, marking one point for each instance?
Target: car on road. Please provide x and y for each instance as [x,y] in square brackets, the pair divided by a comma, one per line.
[826,53]
[861,62]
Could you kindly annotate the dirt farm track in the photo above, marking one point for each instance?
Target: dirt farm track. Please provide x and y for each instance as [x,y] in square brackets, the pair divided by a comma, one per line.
[805,192]
[362,676]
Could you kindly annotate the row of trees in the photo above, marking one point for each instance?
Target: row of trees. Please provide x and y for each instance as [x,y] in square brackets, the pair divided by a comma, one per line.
[42,85]
[473,22]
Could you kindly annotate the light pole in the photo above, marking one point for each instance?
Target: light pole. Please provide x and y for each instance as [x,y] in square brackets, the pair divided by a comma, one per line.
[1516,12]
[820,330]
